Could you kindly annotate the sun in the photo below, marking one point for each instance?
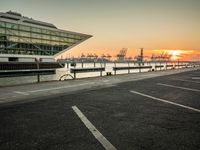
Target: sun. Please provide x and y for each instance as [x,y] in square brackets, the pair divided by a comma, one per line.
[175,54]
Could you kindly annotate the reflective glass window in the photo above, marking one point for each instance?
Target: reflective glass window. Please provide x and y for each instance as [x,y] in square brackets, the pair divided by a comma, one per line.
[24,40]
[2,30]
[22,33]
[43,36]
[35,35]
[2,24]
[63,34]
[12,32]
[71,35]
[44,31]
[26,28]
[77,37]
[14,26]
[54,43]
[62,39]
[63,43]
[13,38]
[36,30]
[53,32]
[46,42]
[36,40]
[55,38]
[8,25]
[48,32]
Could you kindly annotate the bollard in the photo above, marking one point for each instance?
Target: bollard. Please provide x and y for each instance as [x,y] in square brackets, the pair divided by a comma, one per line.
[128,68]
[38,78]
[115,67]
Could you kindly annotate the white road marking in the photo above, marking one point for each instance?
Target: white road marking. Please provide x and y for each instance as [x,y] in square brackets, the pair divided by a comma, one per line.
[166,101]
[105,143]
[21,93]
[196,78]
[179,87]
[57,88]
[42,90]
[186,80]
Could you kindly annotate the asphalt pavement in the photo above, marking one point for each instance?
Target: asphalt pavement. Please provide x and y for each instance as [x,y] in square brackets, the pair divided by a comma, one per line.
[158,113]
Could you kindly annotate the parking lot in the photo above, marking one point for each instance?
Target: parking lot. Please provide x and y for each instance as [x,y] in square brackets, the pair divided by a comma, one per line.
[159,113]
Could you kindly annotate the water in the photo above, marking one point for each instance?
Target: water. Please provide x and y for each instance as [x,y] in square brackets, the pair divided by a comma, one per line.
[66,70]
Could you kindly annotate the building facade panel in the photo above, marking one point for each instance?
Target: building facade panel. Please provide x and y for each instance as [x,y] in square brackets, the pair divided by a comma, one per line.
[24,36]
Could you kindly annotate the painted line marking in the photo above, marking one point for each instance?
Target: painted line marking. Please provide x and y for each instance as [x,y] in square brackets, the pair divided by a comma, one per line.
[57,88]
[21,93]
[2,97]
[42,90]
[166,101]
[105,143]
[178,87]
[186,80]
[196,78]
[106,80]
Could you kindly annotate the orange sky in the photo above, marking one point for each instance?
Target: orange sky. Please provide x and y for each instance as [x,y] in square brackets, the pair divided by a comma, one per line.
[155,25]
[175,54]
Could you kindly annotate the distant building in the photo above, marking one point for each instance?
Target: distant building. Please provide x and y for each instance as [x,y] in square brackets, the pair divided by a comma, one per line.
[26,39]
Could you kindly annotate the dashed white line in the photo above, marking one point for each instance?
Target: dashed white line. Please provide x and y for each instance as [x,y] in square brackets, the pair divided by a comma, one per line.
[179,87]
[105,143]
[21,93]
[196,78]
[166,101]
[57,88]
[186,80]
[41,90]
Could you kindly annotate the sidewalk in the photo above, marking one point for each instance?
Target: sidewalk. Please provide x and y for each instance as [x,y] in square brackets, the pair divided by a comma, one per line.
[36,91]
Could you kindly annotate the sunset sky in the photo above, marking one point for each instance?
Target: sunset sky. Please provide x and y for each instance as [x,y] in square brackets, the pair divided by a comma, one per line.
[155,25]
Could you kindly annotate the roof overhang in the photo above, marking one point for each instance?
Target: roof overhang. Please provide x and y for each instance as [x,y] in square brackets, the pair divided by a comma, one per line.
[70,47]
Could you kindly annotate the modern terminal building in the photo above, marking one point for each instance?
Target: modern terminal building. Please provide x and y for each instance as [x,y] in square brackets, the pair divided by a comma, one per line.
[24,39]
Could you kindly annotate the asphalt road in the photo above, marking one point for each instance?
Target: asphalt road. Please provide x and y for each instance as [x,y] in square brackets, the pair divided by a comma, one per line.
[160,113]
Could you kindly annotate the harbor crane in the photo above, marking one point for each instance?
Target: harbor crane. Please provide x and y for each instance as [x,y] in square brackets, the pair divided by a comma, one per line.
[122,54]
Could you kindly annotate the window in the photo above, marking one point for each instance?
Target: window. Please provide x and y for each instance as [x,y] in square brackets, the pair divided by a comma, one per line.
[54,43]
[24,40]
[69,40]
[63,43]
[25,28]
[44,31]
[71,35]
[63,34]
[46,42]
[13,59]
[55,38]
[36,30]
[22,33]
[15,26]
[8,25]
[43,36]
[48,32]
[36,41]
[12,32]
[35,35]
[77,37]
[2,24]
[13,39]
[3,31]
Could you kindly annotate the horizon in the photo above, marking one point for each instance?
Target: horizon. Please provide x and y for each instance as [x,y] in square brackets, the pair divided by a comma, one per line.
[155,25]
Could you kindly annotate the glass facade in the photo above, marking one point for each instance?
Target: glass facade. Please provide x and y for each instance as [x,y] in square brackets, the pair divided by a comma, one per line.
[22,39]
